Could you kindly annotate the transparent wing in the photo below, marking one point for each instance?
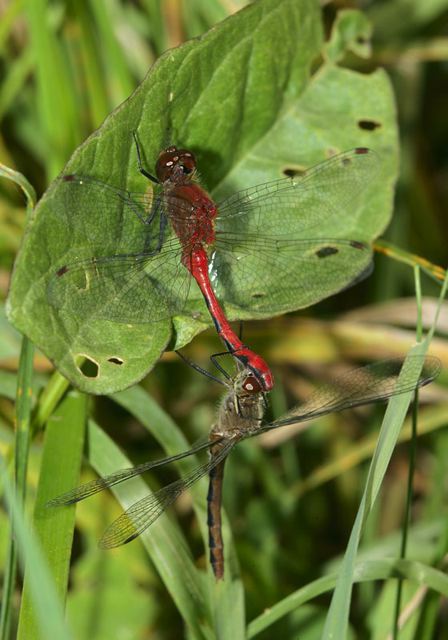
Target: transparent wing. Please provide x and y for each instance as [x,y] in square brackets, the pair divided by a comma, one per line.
[373,383]
[121,260]
[122,288]
[77,190]
[283,273]
[297,204]
[143,513]
[95,486]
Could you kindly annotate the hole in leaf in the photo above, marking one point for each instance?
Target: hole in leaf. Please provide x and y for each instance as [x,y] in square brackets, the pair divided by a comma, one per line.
[324,252]
[368,125]
[88,367]
[292,173]
[115,360]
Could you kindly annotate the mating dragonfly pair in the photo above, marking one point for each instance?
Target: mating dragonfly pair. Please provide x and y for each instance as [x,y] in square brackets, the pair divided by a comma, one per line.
[240,416]
[235,252]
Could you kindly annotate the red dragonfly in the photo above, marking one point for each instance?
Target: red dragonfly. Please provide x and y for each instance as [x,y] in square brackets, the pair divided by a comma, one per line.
[241,416]
[249,250]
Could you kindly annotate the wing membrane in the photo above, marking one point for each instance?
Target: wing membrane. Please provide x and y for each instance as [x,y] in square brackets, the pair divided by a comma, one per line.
[280,274]
[123,288]
[300,203]
[95,486]
[374,383]
[143,513]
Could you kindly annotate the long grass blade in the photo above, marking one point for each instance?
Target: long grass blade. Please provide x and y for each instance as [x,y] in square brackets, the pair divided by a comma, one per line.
[64,439]
[336,625]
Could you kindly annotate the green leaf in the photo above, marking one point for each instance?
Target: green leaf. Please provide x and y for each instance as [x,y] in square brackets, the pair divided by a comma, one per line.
[351,32]
[248,115]
[59,472]
[22,182]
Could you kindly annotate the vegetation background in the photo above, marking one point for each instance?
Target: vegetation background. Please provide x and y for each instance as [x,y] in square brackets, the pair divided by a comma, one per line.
[291,501]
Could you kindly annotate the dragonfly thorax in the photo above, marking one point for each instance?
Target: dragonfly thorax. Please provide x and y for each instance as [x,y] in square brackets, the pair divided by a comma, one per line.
[239,416]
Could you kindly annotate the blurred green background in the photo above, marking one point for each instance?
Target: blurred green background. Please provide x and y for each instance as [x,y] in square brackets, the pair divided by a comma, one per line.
[64,66]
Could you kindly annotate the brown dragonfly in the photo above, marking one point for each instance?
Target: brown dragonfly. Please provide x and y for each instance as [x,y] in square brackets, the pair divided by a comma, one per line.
[240,416]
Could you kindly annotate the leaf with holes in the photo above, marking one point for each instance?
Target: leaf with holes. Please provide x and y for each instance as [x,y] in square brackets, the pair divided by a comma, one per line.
[250,117]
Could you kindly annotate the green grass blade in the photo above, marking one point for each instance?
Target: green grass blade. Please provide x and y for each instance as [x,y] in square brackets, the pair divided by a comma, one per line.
[163,541]
[412,462]
[54,528]
[51,395]
[48,608]
[14,81]
[157,25]
[336,625]
[24,397]
[22,442]
[91,66]
[118,75]
[9,15]
[431,419]
[367,571]
[57,110]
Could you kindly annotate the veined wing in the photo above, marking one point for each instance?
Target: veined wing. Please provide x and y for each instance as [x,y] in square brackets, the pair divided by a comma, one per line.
[294,205]
[129,288]
[143,513]
[277,274]
[365,385]
[86,193]
[95,486]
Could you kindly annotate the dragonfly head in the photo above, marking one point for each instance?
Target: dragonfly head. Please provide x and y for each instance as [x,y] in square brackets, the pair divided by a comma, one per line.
[246,383]
[175,165]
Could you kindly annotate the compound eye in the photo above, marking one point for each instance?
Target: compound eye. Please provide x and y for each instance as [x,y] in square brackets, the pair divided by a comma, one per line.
[165,165]
[251,385]
[187,163]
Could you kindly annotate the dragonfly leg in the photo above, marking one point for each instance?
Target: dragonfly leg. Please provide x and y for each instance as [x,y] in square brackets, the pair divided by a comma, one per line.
[162,226]
[214,359]
[141,168]
[199,369]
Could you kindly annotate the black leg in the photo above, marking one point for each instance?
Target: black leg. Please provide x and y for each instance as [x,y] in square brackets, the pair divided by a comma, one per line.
[141,168]
[199,369]
[214,357]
